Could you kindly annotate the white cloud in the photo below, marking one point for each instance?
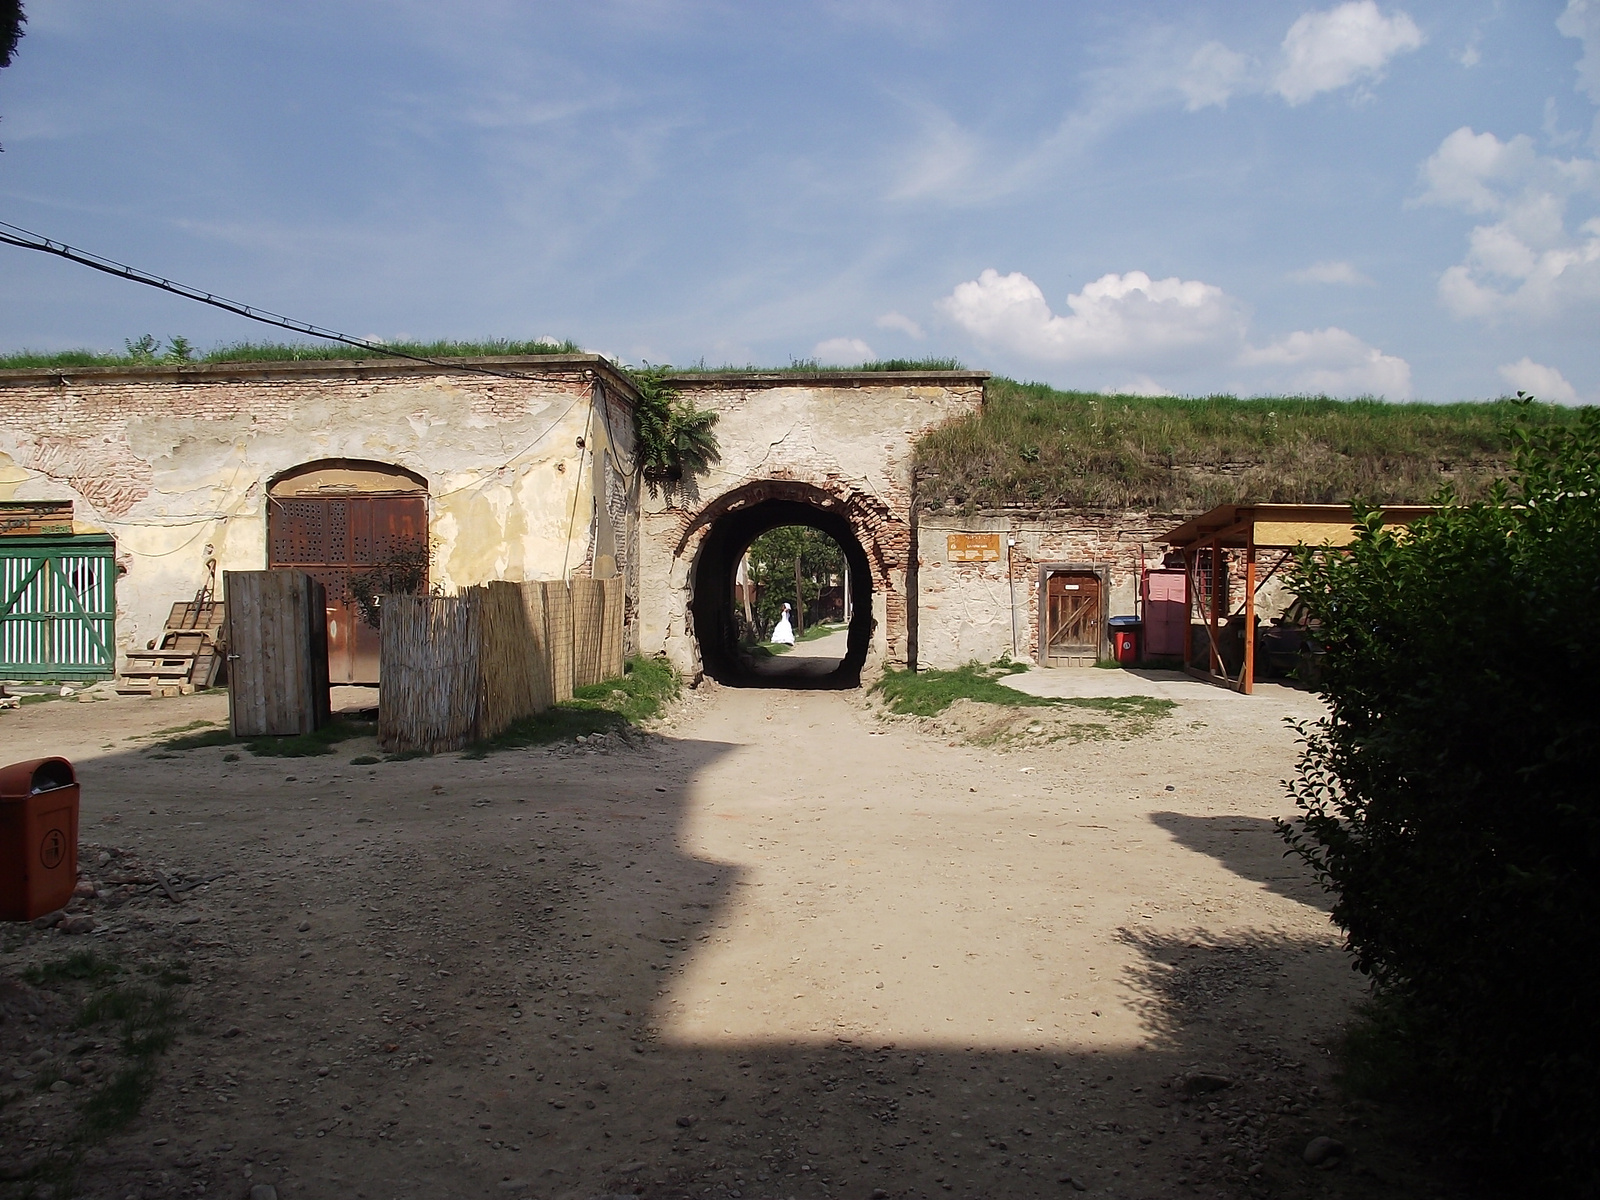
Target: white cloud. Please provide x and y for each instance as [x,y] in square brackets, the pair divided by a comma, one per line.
[1135,323]
[842,351]
[1545,383]
[1115,317]
[1214,73]
[1330,272]
[1467,168]
[896,320]
[1581,20]
[1324,51]
[1331,361]
[1140,385]
[1526,262]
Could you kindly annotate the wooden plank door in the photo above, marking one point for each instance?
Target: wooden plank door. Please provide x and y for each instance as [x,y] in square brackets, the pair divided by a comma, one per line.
[1072,618]
[277,653]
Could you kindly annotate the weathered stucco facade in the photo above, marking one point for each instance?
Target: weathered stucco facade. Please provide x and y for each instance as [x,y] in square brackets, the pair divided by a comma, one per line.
[176,462]
[834,449]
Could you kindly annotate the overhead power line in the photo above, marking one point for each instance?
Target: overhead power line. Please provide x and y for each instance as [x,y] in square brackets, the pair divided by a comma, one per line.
[15,235]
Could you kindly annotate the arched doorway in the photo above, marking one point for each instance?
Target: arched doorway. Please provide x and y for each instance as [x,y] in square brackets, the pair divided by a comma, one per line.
[340,521]
[731,525]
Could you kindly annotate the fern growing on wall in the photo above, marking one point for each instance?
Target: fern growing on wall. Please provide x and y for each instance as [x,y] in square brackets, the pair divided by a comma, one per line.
[677,441]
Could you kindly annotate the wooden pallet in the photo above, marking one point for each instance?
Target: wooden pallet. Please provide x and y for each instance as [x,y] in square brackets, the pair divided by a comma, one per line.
[188,656]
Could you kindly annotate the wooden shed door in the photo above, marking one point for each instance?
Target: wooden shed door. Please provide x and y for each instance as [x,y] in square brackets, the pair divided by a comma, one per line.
[1072,618]
[333,539]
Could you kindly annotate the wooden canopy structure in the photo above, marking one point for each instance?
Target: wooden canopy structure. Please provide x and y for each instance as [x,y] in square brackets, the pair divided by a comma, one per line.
[1278,529]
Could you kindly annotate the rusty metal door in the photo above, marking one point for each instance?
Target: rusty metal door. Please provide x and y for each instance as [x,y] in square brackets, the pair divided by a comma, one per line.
[1072,617]
[333,539]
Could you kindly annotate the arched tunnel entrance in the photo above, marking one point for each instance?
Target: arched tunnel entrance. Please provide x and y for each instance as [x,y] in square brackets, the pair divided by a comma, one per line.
[716,624]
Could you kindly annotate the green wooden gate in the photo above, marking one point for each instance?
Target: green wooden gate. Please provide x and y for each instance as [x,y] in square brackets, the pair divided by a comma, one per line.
[58,607]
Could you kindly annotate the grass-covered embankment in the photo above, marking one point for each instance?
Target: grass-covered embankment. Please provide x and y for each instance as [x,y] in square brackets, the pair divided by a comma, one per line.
[1035,445]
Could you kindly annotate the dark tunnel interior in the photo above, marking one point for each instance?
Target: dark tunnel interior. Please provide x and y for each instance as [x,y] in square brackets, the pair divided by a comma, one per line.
[713,601]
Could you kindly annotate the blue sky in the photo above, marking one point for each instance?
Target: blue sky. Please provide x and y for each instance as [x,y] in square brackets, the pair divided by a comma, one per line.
[1251,196]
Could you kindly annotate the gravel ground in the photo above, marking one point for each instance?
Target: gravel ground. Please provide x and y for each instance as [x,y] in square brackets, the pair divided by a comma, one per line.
[783,946]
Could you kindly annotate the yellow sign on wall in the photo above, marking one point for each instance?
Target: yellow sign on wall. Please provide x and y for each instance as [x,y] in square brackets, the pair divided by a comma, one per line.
[973,547]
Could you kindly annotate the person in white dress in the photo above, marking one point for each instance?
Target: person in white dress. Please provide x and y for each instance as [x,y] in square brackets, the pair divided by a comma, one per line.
[783,632]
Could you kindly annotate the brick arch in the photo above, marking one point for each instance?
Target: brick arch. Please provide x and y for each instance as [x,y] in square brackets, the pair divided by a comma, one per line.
[718,535]
[866,515]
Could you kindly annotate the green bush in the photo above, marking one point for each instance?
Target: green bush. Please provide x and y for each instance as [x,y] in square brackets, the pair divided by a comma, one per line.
[1450,801]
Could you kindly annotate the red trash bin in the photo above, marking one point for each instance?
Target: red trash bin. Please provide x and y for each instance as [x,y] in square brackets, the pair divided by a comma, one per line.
[38,837]
[1125,640]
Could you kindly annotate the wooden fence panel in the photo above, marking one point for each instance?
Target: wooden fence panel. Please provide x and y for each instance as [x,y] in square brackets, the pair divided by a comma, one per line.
[463,668]
[431,673]
[509,661]
[612,661]
[588,631]
[533,610]
[278,647]
[558,623]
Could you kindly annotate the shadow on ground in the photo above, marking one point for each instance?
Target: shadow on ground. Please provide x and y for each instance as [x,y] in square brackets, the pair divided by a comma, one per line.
[1249,847]
[454,982]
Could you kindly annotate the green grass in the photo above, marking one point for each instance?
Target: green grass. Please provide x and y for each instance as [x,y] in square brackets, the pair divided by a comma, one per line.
[612,706]
[142,1016]
[304,745]
[83,966]
[929,693]
[812,366]
[285,352]
[1035,445]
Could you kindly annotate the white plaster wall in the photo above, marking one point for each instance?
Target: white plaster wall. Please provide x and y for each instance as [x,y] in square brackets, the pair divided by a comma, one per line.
[176,469]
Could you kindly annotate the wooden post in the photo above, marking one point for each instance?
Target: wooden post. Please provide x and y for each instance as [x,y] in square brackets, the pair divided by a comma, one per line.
[1247,674]
[1217,665]
[799,602]
[1188,608]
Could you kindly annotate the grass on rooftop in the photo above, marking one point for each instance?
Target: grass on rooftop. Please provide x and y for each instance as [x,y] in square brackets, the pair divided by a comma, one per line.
[812,366]
[280,352]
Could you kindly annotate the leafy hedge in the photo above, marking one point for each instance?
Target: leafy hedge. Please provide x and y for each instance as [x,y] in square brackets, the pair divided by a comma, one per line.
[1451,799]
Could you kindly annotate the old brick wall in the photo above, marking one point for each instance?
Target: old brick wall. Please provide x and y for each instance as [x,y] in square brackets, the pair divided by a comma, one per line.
[966,610]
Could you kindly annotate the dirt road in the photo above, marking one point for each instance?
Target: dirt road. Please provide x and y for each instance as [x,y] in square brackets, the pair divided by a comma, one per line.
[786,947]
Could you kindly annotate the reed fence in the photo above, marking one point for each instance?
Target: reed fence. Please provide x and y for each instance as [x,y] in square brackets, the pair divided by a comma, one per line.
[459,669]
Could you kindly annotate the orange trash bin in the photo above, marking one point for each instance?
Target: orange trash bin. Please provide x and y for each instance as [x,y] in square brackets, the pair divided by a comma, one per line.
[38,837]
